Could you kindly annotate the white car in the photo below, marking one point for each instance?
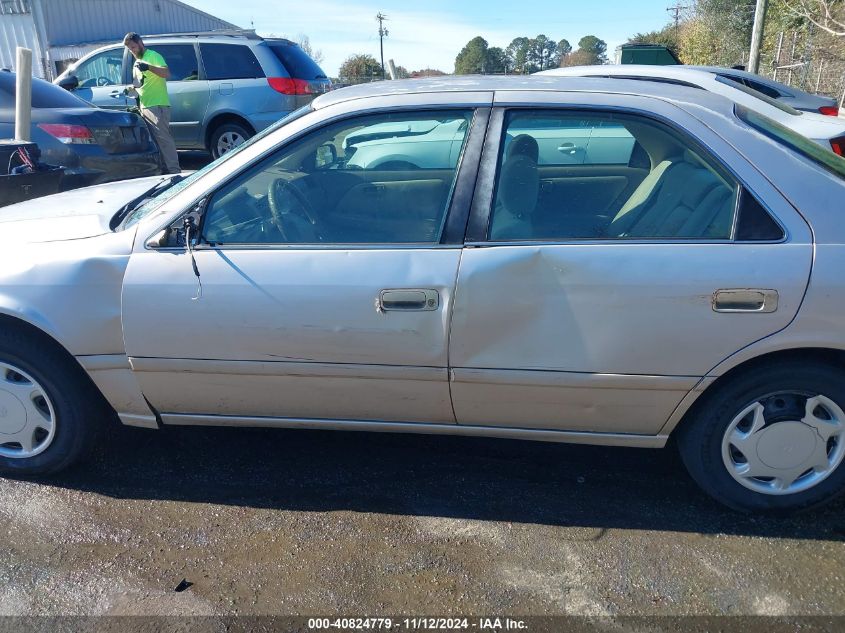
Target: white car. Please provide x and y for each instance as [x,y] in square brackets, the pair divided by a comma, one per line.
[675,292]
[824,130]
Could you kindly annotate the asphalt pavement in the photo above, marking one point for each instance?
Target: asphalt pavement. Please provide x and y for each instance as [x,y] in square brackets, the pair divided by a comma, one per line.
[263,521]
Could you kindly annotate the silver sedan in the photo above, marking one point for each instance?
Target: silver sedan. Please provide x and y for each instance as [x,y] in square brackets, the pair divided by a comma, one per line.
[682,278]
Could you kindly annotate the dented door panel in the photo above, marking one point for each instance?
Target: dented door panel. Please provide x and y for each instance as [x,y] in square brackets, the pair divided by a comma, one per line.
[285,332]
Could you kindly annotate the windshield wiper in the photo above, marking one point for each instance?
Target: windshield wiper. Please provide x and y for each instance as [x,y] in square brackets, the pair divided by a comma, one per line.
[148,195]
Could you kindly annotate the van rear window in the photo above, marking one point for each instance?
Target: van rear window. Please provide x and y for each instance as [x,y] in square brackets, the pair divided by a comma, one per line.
[296,61]
[821,156]
[229,61]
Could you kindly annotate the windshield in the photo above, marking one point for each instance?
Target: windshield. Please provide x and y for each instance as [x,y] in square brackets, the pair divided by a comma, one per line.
[793,140]
[148,207]
[780,105]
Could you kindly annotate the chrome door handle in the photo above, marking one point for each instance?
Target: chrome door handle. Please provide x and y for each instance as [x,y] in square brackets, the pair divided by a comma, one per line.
[408,299]
[745,300]
[569,148]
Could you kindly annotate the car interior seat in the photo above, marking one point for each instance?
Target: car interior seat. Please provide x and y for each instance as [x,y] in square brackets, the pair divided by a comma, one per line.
[680,198]
[519,188]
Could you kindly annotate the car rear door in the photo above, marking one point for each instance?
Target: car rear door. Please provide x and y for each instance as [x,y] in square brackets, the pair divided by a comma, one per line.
[554,329]
[299,320]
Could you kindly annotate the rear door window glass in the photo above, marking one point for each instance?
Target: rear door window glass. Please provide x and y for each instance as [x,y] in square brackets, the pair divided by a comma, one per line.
[181,60]
[676,193]
[230,61]
[297,62]
[571,141]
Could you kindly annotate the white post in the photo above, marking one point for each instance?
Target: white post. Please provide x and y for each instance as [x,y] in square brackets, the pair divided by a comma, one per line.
[757,36]
[23,98]
[391,68]
[842,100]
[777,57]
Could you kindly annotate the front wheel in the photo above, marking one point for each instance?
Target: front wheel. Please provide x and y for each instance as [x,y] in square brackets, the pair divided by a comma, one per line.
[227,137]
[50,412]
[772,439]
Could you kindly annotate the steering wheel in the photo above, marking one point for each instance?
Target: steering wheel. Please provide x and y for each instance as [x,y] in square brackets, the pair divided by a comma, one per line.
[104,81]
[286,200]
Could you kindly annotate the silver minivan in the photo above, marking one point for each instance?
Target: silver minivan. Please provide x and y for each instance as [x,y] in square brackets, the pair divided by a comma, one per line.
[224,87]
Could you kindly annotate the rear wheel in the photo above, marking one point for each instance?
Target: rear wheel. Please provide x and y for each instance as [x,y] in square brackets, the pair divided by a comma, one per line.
[770,440]
[227,137]
[50,412]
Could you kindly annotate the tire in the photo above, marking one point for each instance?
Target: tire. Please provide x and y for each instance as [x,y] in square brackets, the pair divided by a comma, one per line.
[77,410]
[227,135]
[784,394]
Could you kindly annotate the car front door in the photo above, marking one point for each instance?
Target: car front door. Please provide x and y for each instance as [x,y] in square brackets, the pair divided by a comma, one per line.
[325,290]
[103,79]
[607,330]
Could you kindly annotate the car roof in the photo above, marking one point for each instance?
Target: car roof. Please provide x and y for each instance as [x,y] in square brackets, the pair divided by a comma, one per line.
[540,81]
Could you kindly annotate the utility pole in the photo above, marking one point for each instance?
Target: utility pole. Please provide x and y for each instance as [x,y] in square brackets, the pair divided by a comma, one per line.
[676,9]
[382,33]
[757,36]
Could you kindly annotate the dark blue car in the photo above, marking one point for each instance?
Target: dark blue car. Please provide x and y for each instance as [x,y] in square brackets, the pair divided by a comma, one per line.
[95,145]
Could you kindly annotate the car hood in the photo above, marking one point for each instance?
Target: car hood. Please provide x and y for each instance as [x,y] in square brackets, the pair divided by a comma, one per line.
[72,215]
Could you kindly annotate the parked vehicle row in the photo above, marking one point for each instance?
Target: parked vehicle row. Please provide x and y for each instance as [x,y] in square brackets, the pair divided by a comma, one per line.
[223,87]
[94,145]
[689,287]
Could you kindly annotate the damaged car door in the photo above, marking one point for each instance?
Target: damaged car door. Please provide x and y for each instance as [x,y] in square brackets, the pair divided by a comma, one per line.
[322,289]
[598,308]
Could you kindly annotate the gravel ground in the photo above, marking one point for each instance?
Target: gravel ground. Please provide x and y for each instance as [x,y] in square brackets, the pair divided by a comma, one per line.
[306,522]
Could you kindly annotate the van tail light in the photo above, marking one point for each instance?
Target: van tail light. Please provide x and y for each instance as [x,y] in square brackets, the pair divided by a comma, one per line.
[290,86]
[829,110]
[838,146]
[69,134]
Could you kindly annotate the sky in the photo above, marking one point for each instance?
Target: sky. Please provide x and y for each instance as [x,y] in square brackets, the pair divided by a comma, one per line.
[431,33]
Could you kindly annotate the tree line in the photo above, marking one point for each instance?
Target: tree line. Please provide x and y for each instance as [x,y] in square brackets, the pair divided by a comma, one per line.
[526,55]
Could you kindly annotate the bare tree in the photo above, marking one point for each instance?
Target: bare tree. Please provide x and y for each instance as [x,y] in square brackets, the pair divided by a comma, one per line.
[828,15]
[305,44]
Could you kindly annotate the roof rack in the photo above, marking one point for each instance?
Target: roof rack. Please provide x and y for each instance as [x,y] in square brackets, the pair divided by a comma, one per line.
[247,33]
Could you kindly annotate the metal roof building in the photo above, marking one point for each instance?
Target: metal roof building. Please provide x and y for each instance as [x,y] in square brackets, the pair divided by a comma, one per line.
[60,31]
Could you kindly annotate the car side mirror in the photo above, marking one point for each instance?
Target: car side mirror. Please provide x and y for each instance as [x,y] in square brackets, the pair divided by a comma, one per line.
[326,156]
[69,83]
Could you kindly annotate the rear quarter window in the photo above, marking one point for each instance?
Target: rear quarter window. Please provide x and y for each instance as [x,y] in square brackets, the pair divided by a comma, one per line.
[230,61]
[297,62]
[822,157]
